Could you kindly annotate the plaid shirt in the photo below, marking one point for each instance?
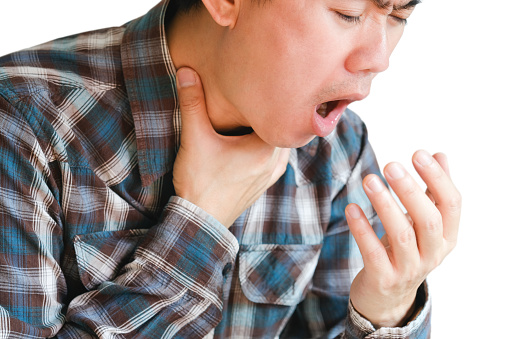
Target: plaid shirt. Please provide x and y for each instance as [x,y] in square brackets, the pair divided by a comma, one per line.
[94,242]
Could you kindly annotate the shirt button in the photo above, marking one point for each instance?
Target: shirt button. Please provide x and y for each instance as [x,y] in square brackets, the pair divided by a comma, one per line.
[227,268]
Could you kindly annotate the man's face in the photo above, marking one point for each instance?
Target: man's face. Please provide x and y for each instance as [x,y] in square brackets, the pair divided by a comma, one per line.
[291,67]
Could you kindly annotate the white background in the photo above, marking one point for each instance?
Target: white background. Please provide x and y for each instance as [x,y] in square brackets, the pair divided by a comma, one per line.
[445,91]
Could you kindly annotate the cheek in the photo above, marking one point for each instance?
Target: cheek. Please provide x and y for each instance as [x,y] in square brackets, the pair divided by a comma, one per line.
[293,60]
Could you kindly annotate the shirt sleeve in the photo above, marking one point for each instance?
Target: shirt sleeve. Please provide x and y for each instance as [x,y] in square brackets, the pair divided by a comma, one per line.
[417,327]
[326,312]
[169,286]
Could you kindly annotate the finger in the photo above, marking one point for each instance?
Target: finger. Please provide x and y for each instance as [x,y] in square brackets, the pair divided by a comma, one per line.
[441,158]
[403,246]
[384,241]
[447,198]
[282,163]
[430,196]
[409,218]
[426,218]
[372,250]
[195,120]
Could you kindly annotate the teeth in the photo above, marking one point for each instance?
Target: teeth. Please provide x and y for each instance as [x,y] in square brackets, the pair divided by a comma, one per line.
[322,110]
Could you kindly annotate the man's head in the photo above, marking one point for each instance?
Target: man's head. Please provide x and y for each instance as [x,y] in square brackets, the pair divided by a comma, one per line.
[288,68]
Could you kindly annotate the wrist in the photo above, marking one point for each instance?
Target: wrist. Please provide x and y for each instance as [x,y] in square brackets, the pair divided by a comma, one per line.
[399,318]
[397,315]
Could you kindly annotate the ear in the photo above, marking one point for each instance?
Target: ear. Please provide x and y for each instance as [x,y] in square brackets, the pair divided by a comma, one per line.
[223,12]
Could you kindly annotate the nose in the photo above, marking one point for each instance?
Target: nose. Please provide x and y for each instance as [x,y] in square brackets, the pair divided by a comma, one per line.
[371,52]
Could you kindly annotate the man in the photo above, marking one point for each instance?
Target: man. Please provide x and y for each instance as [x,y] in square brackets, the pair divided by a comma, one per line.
[138,201]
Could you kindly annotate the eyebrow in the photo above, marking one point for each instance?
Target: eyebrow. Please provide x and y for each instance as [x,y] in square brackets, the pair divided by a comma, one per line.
[410,4]
[386,4]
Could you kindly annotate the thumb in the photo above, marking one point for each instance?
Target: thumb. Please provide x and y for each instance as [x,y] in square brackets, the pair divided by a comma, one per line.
[195,120]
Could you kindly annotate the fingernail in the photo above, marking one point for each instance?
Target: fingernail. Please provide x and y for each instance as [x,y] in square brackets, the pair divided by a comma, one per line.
[423,158]
[375,185]
[353,211]
[185,77]
[395,171]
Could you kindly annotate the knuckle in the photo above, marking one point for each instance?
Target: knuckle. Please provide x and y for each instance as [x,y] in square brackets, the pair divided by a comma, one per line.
[455,202]
[407,236]
[449,247]
[410,189]
[434,223]
[433,262]
[190,103]
[386,283]
[376,255]
[363,232]
[411,277]
[437,261]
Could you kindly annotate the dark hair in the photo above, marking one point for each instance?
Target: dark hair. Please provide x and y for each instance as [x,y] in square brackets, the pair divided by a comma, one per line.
[184,5]
[188,5]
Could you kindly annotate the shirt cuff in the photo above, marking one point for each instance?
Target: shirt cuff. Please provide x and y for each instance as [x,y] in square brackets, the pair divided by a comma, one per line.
[417,328]
[191,247]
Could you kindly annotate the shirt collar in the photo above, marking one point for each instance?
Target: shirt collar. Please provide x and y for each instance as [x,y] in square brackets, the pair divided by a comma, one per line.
[149,76]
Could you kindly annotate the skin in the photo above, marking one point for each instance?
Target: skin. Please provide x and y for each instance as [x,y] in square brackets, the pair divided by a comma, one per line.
[267,68]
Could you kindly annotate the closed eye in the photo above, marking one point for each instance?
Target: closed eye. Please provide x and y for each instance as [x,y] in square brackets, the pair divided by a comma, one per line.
[349,18]
[399,20]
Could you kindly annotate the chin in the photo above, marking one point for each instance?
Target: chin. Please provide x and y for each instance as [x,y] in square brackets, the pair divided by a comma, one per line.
[289,143]
[293,134]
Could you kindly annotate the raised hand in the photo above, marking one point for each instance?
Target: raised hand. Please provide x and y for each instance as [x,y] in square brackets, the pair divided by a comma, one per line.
[223,175]
[384,291]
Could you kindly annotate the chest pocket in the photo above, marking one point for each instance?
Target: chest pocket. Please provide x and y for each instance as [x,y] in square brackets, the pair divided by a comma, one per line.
[277,274]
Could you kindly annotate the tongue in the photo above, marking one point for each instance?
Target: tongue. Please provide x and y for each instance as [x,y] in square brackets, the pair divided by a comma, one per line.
[327,116]
[324,109]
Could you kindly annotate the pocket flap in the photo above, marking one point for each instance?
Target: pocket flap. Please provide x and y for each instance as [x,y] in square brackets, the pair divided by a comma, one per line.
[277,274]
[101,255]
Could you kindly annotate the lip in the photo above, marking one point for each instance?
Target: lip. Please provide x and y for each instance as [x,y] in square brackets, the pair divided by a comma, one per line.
[323,126]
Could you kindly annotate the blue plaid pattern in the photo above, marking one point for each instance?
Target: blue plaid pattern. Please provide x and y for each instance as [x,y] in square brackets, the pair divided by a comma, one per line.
[94,242]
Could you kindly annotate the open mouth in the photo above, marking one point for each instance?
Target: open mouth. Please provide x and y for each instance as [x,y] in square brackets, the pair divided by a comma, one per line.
[327,116]
[325,108]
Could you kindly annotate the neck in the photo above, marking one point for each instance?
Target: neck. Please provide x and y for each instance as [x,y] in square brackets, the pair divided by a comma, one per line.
[194,40]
